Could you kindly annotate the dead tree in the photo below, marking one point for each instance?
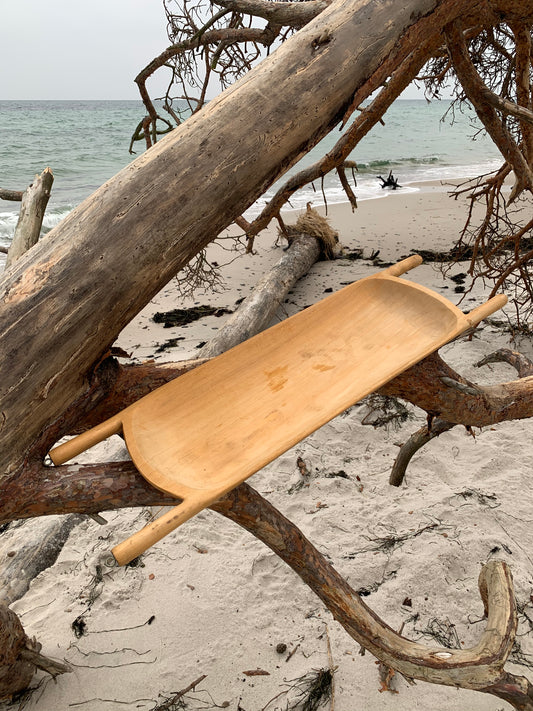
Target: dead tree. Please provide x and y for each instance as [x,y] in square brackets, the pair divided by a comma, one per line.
[143,226]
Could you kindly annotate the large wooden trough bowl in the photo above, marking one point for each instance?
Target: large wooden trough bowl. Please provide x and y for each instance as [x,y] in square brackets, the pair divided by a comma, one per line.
[204,433]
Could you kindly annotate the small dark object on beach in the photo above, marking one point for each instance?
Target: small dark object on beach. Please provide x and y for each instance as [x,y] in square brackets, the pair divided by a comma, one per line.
[171,343]
[459,278]
[341,473]
[281,648]
[181,317]
[79,626]
[389,182]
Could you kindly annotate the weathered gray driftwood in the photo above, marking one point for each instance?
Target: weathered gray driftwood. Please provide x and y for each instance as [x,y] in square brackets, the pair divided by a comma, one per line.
[258,309]
[32,209]
[29,547]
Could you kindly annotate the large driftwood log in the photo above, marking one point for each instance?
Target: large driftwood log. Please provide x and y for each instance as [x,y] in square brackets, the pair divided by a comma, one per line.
[28,230]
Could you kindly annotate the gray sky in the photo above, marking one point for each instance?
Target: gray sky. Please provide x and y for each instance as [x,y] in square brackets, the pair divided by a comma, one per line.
[82,49]
[77,49]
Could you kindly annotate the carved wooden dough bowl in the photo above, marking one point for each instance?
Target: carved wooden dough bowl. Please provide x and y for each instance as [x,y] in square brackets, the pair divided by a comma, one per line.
[204,433]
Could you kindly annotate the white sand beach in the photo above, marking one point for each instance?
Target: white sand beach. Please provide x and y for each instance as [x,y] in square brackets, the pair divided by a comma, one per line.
[212,600]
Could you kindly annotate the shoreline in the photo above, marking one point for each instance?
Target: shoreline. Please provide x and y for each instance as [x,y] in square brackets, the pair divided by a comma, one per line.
[56,212]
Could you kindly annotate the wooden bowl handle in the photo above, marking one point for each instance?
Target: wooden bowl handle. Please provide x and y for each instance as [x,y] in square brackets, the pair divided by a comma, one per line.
[139,542]
[86,440]
[486,309]
[404,266]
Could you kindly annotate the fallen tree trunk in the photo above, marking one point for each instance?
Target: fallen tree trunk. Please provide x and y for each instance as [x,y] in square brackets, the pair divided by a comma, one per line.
[28,230]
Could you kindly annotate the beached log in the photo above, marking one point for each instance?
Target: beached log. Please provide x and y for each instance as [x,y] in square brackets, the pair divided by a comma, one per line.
[309,238]
[28,548]
[28,230]
[258,309]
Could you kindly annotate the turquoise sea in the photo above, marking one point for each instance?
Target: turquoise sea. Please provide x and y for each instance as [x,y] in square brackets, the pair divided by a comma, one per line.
[86,142]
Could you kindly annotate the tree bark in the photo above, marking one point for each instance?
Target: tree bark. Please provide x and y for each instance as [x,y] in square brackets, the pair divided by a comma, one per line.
[257,310]
[15,673]
[28,230]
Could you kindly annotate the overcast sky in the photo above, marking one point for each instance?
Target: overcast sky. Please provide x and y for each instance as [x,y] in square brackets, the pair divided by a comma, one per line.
[81,49]
[77,49]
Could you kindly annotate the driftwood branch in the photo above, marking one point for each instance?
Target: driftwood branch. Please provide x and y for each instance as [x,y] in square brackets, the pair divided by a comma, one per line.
[14,195]
[295,14]
[436,388]
[415,442]
[476,92]
[522,364]
[28,229]
[257,310]
[436,427]
[479,668]
[309,238]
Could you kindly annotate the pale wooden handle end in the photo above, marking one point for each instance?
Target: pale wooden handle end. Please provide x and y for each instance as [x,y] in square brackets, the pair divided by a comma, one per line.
[142,540]
[486,309]
[405,265]
[86,440]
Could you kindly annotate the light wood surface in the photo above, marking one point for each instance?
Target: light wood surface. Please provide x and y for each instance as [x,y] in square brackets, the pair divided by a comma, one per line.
[204,433]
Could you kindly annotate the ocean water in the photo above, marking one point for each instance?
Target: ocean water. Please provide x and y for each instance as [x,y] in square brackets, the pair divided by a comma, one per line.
[86,142]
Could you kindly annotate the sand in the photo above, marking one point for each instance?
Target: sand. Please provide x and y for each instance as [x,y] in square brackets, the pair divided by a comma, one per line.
[212,600]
